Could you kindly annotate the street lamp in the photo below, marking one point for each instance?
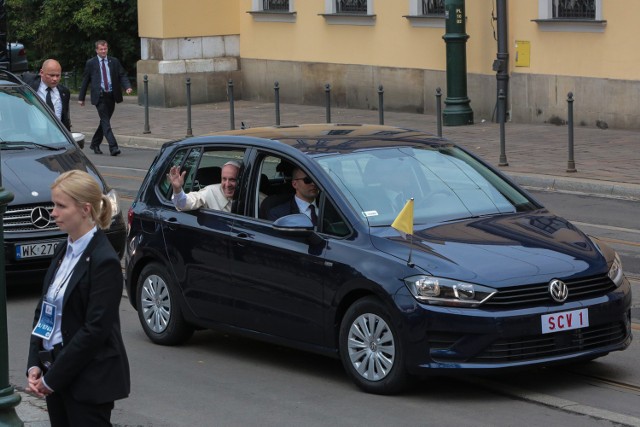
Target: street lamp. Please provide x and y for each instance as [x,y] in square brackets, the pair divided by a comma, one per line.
[457,110]
[9,399]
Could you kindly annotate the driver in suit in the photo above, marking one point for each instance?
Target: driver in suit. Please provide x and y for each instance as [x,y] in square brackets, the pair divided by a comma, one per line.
[303,201]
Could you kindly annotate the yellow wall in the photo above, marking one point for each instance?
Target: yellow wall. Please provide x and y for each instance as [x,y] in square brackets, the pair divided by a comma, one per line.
[610,54]
[390,42]
[187,18]
[393,42]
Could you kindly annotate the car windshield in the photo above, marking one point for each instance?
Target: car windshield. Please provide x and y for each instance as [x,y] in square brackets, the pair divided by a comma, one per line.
[24,122]
[445,182]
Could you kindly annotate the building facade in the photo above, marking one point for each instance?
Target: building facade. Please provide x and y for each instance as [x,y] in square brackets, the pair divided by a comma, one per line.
[554,47]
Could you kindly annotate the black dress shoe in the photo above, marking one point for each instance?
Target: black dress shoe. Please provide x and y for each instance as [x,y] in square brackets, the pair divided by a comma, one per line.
[115,152]
[96,150]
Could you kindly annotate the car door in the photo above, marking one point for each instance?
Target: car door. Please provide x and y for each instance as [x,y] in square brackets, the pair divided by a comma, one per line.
[278,277]
[197,242]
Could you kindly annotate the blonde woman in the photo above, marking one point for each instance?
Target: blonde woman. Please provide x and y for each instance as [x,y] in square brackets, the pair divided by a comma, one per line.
[77,359]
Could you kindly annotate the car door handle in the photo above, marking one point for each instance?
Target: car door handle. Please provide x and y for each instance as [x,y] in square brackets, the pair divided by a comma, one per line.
[172,222]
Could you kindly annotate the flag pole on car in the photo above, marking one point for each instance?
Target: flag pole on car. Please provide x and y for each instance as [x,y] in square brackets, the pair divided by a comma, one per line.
[404,224]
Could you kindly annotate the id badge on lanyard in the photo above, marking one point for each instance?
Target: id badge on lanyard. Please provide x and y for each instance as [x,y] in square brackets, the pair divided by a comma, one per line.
[47,321]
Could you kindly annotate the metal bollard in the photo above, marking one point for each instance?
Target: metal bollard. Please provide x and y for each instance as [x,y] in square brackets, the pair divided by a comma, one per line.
[571,164]
[327,91]
[501,114]
[439,111]
[381,104]
[232,114]
[189,131]
[276,89]
[145,98]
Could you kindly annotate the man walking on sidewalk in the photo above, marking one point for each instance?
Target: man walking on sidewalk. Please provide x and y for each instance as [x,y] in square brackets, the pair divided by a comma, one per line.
[107,78]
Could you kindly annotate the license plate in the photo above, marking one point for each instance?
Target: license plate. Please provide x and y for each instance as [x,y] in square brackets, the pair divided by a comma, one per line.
[565,320]
[34,250]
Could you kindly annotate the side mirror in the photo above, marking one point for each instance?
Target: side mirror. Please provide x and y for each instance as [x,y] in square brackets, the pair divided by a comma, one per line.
[298,225]
[78,138]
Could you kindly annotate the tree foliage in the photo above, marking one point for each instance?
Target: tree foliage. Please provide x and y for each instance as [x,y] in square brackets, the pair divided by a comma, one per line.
[67,30]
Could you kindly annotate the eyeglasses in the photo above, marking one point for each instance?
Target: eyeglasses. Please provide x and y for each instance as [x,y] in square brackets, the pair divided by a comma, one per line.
[306,180]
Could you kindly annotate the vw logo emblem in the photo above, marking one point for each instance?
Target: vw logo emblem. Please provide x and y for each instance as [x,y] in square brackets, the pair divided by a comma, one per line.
[40,217]
[558,290]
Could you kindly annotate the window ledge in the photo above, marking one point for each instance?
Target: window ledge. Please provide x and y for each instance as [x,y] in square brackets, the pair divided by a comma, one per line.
[430,21]
[571,25]
[272,16]
[349,18]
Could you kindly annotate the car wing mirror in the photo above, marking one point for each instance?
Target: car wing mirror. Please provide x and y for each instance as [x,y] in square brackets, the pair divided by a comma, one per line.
[298,225]
[78,138]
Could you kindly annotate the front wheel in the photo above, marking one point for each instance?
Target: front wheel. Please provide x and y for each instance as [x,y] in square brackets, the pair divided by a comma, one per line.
[159,309]
[370,348]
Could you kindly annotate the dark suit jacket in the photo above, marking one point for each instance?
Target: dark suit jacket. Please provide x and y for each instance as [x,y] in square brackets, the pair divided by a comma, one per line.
[287,208]
[65,95]
[93,365]
[93,75]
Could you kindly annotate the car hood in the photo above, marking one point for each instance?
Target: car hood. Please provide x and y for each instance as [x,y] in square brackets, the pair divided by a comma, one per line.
[28,174]
[498,251]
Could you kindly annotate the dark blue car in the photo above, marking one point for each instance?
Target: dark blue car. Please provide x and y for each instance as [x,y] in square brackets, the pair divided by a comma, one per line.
[486,279]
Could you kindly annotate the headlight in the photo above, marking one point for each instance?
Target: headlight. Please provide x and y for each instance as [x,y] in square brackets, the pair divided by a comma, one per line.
[115,205]
[439,291]
[615,272]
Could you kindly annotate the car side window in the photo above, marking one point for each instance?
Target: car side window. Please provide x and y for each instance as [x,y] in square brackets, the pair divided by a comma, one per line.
[202,166]
[185,160]
[273,184]
[332,222]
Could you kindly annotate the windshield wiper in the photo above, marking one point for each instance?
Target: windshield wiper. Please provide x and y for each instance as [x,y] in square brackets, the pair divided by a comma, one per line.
[25,144]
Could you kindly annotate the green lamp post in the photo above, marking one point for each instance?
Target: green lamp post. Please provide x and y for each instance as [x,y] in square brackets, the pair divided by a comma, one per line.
[457,110]
[9,399]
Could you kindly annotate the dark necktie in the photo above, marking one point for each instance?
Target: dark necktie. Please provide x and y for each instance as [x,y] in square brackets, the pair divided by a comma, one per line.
[105,79]
[49,101]
[314,217]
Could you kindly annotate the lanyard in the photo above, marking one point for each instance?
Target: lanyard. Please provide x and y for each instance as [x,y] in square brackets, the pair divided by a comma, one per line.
[63,281]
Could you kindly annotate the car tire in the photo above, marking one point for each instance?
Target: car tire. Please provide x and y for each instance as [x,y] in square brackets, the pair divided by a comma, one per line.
[370,348]
[159,309]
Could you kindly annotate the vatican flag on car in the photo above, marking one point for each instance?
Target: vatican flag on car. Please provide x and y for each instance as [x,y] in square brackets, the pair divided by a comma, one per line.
[404,221]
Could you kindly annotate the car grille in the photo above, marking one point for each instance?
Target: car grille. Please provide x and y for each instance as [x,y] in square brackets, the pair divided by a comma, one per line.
[557,344]
[539,293]
[21,219]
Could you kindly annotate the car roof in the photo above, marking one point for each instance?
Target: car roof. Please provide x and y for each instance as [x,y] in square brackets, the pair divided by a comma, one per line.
[337,138]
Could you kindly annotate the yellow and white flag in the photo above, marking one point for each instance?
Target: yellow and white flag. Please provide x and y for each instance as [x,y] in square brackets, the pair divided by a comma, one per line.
[404,221]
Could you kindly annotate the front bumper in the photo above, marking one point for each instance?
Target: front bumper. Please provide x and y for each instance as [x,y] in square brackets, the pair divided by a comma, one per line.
[445,338]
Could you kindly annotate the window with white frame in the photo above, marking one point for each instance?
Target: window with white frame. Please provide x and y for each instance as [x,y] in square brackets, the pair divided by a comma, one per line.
[426,13]
[272,6]
[351,6]
[273,10]
[349,12]
[570,15]
[432,7]
[275,5]
[570,9]
[356,7]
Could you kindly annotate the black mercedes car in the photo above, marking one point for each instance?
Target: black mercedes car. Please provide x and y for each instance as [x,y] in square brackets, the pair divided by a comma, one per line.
[423,259]
[34,149]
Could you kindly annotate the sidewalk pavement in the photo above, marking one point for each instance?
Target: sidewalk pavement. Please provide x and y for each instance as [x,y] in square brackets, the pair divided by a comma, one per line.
[607,161]
[537,154]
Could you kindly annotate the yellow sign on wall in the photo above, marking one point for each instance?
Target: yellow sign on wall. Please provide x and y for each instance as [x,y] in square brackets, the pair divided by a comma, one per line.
[523,53]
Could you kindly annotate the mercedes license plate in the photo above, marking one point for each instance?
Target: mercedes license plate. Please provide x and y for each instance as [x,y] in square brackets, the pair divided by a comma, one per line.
[565,320]
[34,250]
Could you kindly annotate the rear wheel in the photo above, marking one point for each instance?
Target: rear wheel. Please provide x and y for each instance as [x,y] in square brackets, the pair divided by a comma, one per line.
[159,309]
[370,348]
